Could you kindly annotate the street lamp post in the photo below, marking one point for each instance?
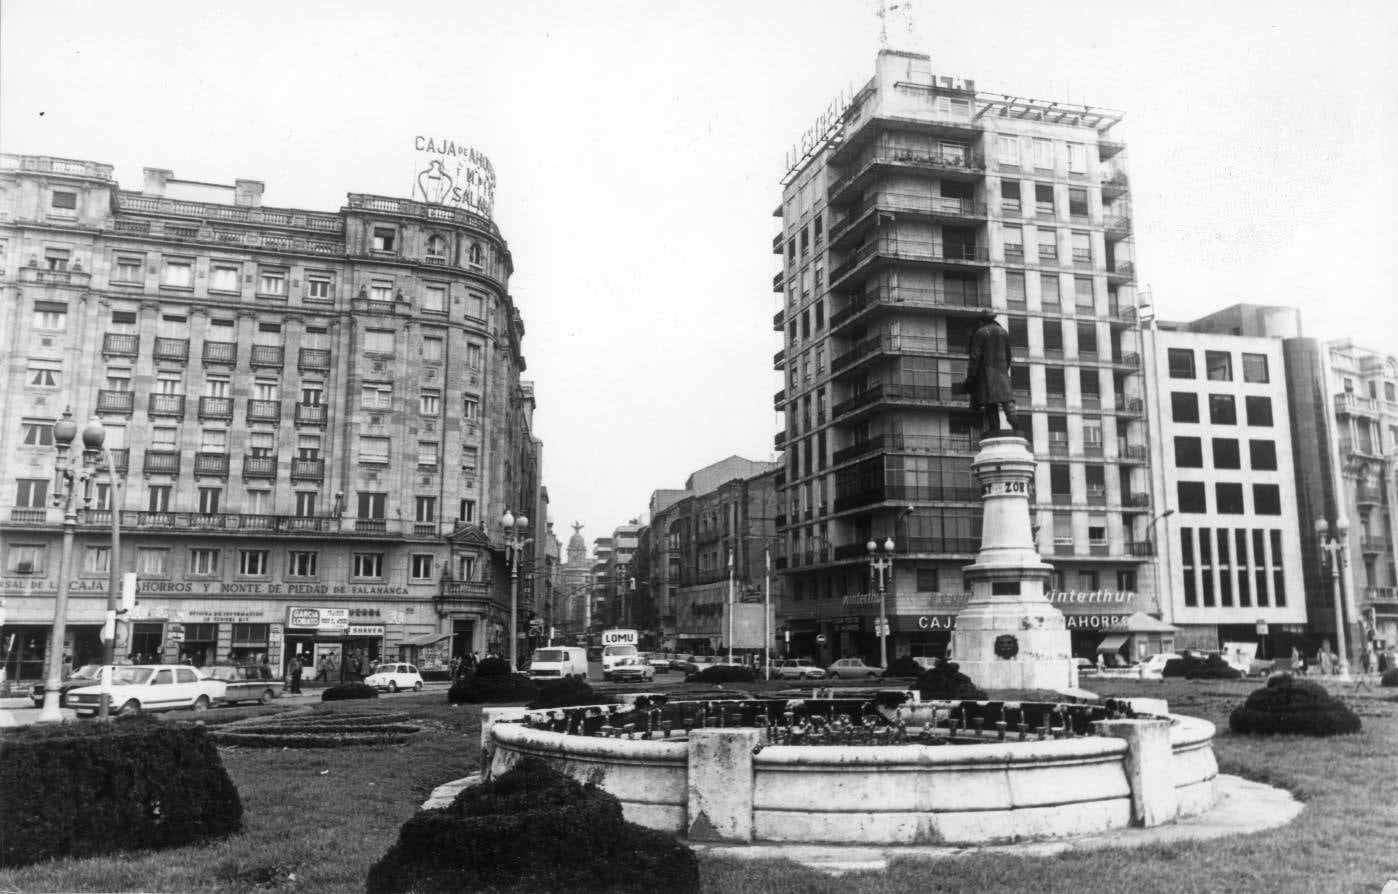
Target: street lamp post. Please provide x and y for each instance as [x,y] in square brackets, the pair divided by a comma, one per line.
[70,472]
[1336,552]
[880,566]
[94,440]
[515,541]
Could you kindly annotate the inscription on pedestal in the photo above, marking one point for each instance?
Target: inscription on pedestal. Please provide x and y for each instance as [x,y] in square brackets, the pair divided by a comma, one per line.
[1004,588]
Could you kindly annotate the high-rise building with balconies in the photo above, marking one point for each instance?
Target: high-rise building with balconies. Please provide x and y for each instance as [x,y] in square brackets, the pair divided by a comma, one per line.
[315,418]
[909,210]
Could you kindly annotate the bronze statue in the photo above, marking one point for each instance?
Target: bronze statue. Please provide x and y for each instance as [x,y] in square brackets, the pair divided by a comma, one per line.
[988,375]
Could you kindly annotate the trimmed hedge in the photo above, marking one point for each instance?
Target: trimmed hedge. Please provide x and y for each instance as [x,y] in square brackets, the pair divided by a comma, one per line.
[493,667]
[726,673]
[1192,667]
[1287,705]
[1389,678]
[567,693]
[80,790]
[528,830]
[491,689]
[904,666]
[946,681]
[347,692]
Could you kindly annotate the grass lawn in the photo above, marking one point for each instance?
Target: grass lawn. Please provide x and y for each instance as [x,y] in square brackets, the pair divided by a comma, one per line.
[314,820]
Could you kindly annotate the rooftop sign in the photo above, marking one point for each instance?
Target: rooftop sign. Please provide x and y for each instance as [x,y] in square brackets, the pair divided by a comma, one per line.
[452,174]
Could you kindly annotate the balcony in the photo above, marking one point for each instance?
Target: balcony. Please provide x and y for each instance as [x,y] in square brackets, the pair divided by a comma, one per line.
[172,349]
[121,458]
[221,521]
[264,411]
[1114,185]
[1140,549]
[164,462]
[948,445]
[268,356]
[310,414]
[1350,404]
[777,282]
[779,440]
[1373,545]
[371,525]
[165,405]
[902,393]
[463,592]
[222,352]
[424,529]
[778,399]
[29,516]
[313,358]
[779,358]
[1138,501]
[968,165]
[904,205]
[1368,494]
[1117,229]
[308,470]
[889,344]
[259,467]
[121,344]
[216,408]
[1123,271]
[118,403]
[777,319]
[1133,452]
[887,249]
[903,298]
[1130,407]
[213,464]
[1381,594]
[777,244]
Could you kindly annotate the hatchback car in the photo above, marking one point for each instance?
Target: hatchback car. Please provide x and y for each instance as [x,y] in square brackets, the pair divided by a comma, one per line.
[83,676]
[394,677]
[630,668]
[852,667]
[797,669]
[151,687]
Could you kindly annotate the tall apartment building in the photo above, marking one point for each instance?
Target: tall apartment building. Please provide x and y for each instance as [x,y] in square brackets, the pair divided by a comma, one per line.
[908,211]
[316,418]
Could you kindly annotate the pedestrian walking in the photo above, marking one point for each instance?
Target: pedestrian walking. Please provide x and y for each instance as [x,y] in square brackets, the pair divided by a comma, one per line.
[296,671]
[323,668]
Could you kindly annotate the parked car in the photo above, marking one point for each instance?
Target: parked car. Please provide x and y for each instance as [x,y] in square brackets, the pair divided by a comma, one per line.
[630,668]
[83,676]
[1153,667]
[394,677]
[852,667]
[797,669]
[558,662]
[657,661]
[151,687]
[246,682]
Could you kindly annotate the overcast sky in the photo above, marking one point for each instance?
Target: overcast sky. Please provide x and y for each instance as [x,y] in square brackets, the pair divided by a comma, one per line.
[638,149]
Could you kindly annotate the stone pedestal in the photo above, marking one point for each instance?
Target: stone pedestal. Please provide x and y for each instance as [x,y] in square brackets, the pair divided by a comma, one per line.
[1009,636]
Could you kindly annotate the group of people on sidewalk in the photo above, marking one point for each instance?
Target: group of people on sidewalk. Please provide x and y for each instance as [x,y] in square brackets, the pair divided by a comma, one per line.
[330,669]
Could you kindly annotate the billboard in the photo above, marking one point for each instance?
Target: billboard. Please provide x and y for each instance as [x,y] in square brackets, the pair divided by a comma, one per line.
[453,174]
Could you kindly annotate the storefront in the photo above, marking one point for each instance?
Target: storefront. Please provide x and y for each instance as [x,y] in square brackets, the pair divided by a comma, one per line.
[430,652]
[328,646]
[1135,638]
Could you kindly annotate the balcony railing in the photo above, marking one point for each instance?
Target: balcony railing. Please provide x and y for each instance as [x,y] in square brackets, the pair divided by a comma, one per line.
[268,355]
[779,357]
[206,463]
[903,203]
[117,402]
[941,161]
[911,251]
[172,349]
[310,414]
[162,461]
[313,358]
[953,445]
[1349,403]
[1373,545]
[1381,594]
[900,392]
[29,516]
[1141,549]
[121,344]
[308,470]
[165,405]
[259,467]
[889,344]
[221,352]
[777,282]
[264,411]
[778,399]
[227,521]
[370,525]
[215,408]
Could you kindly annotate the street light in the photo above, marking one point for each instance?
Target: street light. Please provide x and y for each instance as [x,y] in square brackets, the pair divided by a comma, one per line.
[880,566]
[1336,551]
[94,440]
[514,542]
[69,474]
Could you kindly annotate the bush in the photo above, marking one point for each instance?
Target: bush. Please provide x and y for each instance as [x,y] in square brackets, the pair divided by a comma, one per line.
[567,693]
[1192,667]
[1389,678]
[726,673]
[904,666]
[79,790]
[1287,705]
[492,689]
[493,667]
[532,829]
[348,691]
[946,681]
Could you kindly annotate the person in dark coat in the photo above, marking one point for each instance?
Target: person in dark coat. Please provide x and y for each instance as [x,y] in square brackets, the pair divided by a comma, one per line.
[988,374]
[296,671]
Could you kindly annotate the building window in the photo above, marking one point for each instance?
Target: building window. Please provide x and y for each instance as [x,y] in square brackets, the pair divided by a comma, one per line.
[56,259]
[301,563]
[151,560]
[1259,410]
[50,315]
[1181,362]
[436,246]
[434,298]
[203,562]
[432,349]
[320,286]
[425,509]
[306,503]
[466,511]
[1014,244]
[44,373]
[376,395]
[209,498]
[474,355]
[129,270]
[1228,498]
[1262,456]
[158,498]
[1189,453]
[1255,369]
[1009,151]
[252,562]
[1226,454]
[1223,409]
[378,341]
[372,505]
[427,454]
[475,305]
[381,290]
[258,502]
[1043,154]
[368,565]
[430,401]
[261,444]
[1191,596]
[1043,199]
[97,560]
[1015,292]
[385,238]
[223,278]
[1266,499]
[62,200]
[271,281]
[26,558]
[373,450]
[36,433]
[469,460]
[470,407]
[1050,294]
[1218,366]
[1191,496]
[422,567]
[178,274]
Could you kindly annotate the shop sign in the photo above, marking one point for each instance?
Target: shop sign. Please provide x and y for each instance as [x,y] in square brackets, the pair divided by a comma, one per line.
[825,126]
[860,599]
[226,615]
[1082,597]
[1094,622]
[366,630]
[328,619]
[937,622]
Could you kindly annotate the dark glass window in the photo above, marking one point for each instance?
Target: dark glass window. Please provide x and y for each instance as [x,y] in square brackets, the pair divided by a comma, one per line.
[1184,406]
[1259,410]
[1191,596]
[1255,368]
[1191,496]
[1262,455]
[1189,453]
[1223,409]
[1266,499]
[1181,363]
[1226,454]
[1218,366]
[1229,498]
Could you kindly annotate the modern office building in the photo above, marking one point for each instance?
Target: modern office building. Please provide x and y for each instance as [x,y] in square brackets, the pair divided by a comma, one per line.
[316,419]
[912,208]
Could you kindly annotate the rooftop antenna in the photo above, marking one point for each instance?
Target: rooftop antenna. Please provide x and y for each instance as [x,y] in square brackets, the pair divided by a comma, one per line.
[903,10]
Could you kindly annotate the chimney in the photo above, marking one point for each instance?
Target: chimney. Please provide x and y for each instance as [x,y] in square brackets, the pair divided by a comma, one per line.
[248,193]
[155,181]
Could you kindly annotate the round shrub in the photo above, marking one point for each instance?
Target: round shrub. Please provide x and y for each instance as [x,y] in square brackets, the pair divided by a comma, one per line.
[1300,707]
[492,690]
[904,666]
[566,694]
[1180,667]
[726,673]
[347,691]
[1389,678]
[946,681]
[493,667]
[532,829]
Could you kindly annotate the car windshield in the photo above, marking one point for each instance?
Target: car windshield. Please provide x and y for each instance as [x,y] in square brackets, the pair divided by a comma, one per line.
[131,675]
[619,650]
[550,655]
[86,672]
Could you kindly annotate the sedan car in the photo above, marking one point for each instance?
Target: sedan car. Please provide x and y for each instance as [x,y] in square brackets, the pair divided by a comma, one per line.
[657,661]
[797,669]
[83,676]
[630,668]
[394,677]
[852,667]
[246,682]
[151,687]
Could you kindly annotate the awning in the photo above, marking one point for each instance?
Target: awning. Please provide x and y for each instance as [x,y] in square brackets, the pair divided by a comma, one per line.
[1112,641]
[1140,622]
[425,640]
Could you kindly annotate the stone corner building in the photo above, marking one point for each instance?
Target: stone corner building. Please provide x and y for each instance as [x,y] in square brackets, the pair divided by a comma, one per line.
[315,418]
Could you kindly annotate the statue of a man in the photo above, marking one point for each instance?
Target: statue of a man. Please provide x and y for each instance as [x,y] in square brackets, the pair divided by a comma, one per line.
[988,375]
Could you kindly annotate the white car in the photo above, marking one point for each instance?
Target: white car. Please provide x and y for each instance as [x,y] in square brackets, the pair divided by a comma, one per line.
[633,668]
[394,677]
[797,669]
[852,667]
[1153,667]
[151,687]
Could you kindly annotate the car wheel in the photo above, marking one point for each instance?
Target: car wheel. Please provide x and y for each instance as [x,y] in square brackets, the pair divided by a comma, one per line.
[267,696]
[417,687]
[873,676]
[201,703]
[131,707]
[834,676]
[392,686]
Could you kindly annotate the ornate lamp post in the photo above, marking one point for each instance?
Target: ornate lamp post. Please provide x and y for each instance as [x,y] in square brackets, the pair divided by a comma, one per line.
[880,565]
[515,541]
[1336,555]
[69,474]
[94,439]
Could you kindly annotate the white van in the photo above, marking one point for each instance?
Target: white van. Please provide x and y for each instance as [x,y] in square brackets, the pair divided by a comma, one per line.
[612,654]
[558,663]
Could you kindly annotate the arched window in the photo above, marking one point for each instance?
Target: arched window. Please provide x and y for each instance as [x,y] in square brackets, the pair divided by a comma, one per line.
[475,254]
